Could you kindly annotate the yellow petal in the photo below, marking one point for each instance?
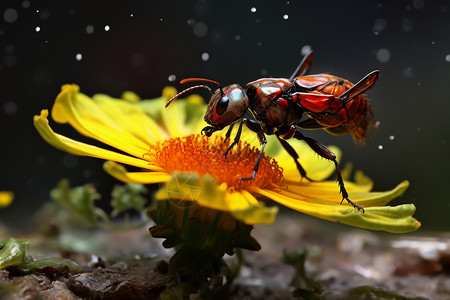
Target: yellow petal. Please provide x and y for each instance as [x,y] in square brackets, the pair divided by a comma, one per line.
[122,112]
[205,192]
[82,149]
[392,219]
[174,118]
[6,198]
[328,191]
[253,212]
[90,120]
[120,173]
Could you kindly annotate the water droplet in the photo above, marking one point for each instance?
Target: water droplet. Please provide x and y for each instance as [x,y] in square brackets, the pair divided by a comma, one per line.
[10,107]
[447,58]
[70,161]
[380,147]
[37,29]
[306,49]
[418,4]
[391,137]
[10,60]
[26,4]
[253,9]
[408,72]
[383,55]
[200,29]
[205,56]
[107,28]
[9,49]
[379,25]
[78,56]
[137,59]
[407,25]
[286,17]
[10,15]
[172,78]
[89,29]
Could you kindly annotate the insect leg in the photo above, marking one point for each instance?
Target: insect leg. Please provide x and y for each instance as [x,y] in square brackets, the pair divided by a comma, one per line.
[236,139]
[326,153]
[254,126]
[228,134]
[295,156]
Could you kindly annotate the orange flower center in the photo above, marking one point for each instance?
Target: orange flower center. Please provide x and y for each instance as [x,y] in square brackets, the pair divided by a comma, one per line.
[203,155]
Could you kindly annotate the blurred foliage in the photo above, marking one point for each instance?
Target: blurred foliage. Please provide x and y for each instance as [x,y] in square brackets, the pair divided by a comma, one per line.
[13,257]
[75,206]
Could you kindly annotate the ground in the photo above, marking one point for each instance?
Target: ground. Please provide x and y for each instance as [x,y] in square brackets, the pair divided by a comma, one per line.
[341,263]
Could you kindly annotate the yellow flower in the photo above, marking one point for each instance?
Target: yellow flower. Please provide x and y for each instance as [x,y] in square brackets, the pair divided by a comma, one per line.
[163,142]
[6,198]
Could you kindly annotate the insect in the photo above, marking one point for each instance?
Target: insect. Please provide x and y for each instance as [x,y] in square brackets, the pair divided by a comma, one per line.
[277,106]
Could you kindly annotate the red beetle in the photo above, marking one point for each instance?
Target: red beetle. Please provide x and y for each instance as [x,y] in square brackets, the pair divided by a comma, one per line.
[277,105]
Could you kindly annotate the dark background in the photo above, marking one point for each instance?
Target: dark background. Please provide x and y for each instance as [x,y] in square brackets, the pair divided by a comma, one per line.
[148,41]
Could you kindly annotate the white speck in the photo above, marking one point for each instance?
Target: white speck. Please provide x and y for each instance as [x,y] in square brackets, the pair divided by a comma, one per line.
[131,15]
[447,58]
[205,56]
[383,55]
[107,28]
[10,15]
[259,44]
[286,17]
[253,9]
[200,29]
[380,147]
[37,29]
[306,49]
[377,123]
[433,43]
[172,78]
[89,29]
[191,22]
[37,10]
[391,137]
[79,56]
[237,37]
[160,19]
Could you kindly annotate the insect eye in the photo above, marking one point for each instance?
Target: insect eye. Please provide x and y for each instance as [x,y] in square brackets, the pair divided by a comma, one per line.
[222,105]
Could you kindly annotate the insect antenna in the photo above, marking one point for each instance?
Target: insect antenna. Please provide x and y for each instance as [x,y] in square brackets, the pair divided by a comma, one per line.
[203,79]
[187,90]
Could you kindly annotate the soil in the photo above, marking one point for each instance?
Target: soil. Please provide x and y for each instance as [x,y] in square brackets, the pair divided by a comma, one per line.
[341,263]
